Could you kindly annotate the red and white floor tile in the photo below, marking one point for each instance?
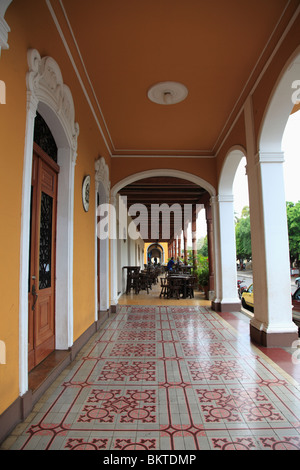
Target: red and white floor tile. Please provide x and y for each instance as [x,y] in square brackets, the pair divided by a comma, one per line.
[168,378]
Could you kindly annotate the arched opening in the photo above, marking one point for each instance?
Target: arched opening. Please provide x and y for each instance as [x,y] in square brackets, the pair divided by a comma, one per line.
[226,276]
[155,254]
[182,194]
[272,323]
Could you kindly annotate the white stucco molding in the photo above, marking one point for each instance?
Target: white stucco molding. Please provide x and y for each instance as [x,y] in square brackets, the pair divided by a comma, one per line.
[4,28]
[269,157]
[45,83]
[102,174]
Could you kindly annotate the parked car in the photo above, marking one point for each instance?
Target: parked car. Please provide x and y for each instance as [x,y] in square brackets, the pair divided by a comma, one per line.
[248,298]
[297,281]
[296,299]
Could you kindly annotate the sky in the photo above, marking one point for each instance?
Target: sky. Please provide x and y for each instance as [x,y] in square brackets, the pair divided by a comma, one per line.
[291,166]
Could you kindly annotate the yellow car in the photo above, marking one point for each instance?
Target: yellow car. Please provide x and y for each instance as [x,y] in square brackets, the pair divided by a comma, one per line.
[248,298]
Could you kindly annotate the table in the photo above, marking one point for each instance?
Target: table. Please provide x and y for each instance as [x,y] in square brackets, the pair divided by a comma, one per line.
[184,278]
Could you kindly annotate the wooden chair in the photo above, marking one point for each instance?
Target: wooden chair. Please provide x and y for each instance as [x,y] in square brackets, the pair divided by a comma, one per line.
[144,282]
[175,287]
[191,285]
[164,286]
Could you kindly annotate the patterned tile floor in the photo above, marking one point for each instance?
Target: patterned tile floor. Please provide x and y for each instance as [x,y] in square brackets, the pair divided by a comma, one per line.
[167,378]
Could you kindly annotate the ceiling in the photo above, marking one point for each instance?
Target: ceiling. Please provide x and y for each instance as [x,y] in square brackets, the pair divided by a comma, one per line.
[212,47]
[180,194]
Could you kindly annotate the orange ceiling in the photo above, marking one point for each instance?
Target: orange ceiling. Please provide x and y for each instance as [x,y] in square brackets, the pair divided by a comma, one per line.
[211,46]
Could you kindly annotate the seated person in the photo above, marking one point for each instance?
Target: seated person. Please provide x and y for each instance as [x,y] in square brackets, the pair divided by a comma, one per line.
[170,264]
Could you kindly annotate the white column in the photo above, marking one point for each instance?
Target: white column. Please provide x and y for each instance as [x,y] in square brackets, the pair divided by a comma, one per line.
[226,280]
[104,272]
[24,244]
[272,323]
[113,255]
[64,250]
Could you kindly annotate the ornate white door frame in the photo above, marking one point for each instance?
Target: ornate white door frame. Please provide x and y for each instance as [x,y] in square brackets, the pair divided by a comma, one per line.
[47,93]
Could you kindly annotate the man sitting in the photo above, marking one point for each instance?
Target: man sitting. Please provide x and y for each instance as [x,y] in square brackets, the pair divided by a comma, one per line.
[170,264]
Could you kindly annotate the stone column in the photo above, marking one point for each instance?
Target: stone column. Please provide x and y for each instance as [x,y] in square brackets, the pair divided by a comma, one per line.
[194,234]
[226,296]
[208,213]
[272,324]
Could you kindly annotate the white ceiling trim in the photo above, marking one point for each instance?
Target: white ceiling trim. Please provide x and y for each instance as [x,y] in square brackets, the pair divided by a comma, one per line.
[48,2]
[161,156]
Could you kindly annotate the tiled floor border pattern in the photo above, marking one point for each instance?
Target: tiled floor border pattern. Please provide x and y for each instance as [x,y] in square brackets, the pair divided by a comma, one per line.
[166,378]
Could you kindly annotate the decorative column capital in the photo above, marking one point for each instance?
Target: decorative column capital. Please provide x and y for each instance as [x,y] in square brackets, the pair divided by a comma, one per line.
[225,198]
[269,157]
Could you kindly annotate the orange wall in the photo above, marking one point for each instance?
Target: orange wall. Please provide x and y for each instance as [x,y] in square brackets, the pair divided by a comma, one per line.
[237,137]
[12,150]
[27,21]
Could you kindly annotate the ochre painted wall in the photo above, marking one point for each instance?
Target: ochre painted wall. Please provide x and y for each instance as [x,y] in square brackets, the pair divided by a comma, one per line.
[32,27]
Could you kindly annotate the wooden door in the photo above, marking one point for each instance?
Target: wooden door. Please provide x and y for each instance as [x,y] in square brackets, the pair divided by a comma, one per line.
[41,280]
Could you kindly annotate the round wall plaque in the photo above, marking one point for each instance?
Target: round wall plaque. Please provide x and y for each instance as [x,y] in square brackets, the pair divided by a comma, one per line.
[86,192]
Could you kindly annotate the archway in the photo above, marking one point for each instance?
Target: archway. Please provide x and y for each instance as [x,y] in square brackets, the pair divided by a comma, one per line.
[48,95]
[163,172]
[155,253]
[272,323]
[226,277]
[155,173]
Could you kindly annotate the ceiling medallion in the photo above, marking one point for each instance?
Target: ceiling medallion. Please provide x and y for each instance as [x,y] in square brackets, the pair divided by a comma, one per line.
[167,93]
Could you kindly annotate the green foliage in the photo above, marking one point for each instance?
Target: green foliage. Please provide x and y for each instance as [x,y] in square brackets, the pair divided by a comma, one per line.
[204,247]
[202,270]
[293,220]
[243,235]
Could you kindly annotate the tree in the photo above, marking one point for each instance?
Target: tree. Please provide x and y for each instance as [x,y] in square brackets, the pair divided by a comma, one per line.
[243,236]
[202,248]
[293,220]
